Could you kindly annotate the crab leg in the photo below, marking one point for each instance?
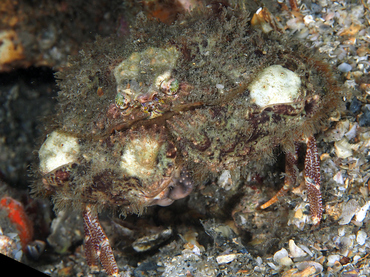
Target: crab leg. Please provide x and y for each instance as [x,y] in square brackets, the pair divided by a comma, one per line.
[97,245]
[312,180]
[291,171]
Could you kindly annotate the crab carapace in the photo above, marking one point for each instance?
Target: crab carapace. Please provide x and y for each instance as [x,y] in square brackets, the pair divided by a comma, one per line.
[141,117]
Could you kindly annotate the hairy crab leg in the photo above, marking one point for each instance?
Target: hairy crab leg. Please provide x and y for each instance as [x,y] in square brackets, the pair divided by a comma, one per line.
[312,180]
[97,245]
[291,171]
[311,177]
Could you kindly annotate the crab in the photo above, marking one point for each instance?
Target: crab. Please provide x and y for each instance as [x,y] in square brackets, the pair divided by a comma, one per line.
[142,119]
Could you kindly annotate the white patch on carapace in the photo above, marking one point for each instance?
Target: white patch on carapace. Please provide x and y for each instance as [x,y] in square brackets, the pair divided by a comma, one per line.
[275,85]
[57,150]
[139,157]
[153,65]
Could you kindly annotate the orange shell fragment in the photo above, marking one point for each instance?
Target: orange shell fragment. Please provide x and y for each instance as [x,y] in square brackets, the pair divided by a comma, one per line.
[10,49]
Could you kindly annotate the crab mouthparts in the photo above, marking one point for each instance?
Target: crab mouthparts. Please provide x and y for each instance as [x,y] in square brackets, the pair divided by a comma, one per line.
[179,187]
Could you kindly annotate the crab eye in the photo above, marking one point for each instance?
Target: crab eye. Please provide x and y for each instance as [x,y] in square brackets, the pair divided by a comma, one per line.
[170,87]
[122,100]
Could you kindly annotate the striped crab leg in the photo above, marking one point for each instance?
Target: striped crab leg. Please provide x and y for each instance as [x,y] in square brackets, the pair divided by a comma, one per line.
[312,180]
[97,245]
[311,177]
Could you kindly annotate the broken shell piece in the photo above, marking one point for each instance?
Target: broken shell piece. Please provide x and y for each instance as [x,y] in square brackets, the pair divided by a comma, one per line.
[337,133]
[361,237]
[365,87]
[225,181]
[10,49]
[307,264]
[339,178]
[361,213]
[300,218]
[351,134]
[343,148]
[265,21]
[295,250]
[192,243]
[341,231]
[332,259]
[281,257]
[348,211]
[280,254]
[286,261]
[151,241]
[225,259]
[7,246]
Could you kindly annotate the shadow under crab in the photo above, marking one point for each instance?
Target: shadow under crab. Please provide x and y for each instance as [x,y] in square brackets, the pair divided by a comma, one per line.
[144,118]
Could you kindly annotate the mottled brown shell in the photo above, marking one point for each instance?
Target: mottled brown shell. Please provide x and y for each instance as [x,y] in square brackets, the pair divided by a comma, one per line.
[206,124]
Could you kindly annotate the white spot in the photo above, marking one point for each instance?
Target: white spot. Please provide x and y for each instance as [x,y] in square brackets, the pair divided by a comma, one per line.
[275,85]
[344,67]
[58,149]
[361,213]
[225,180]
[280,255]
[361,237]
[139,158]
[225,259]
[332,259]
[295,250]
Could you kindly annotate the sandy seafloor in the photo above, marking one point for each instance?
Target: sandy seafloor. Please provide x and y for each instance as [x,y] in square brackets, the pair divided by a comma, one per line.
[236,240]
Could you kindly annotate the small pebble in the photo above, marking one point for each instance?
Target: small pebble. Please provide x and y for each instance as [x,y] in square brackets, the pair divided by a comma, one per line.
[361,237]
[259,261]
[343,148]
[332,259]
[356,258]
[355,106]
[307,264]
[364,119]
[306,249]
[273,266]
[351,134]
[286,261]
[341,231]
[344,67]
[361,213]
[338,178]
[281,257]
[225,259]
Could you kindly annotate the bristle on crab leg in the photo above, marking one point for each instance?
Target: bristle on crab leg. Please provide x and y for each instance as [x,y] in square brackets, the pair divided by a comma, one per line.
[312,179]
[291,171]
[97,245]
